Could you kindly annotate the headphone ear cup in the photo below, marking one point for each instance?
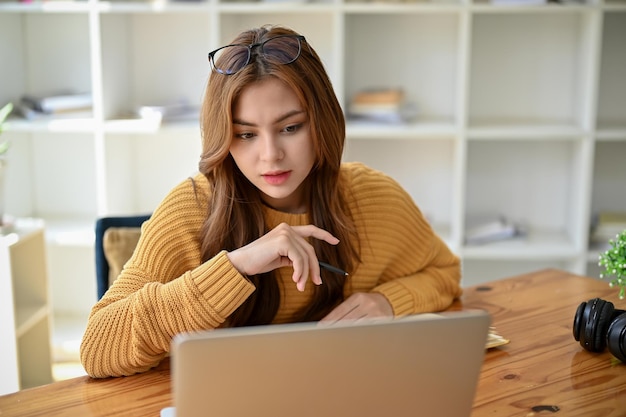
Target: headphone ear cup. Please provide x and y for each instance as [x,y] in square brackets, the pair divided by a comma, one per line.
[616,337]
[596,318]
[578,321]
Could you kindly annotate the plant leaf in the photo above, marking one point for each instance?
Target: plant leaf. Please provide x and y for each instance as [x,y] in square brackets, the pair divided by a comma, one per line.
[4,113]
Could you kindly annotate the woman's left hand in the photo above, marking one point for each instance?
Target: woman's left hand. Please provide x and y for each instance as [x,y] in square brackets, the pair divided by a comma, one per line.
[361,305]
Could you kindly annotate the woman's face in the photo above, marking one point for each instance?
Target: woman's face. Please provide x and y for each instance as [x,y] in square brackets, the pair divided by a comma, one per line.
[272,144]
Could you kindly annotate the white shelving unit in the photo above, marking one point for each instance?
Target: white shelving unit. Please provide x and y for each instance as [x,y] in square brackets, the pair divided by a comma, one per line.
[521,110]
[25,358]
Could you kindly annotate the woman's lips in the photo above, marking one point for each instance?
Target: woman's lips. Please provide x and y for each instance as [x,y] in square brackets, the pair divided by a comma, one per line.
[276,178]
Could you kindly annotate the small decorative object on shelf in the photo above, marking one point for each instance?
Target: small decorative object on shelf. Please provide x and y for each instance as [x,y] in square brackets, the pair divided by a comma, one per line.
[4,148]
[614,262]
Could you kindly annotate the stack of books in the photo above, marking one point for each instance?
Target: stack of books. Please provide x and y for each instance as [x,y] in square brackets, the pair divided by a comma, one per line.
[492,230]
[57,105]
[380,105]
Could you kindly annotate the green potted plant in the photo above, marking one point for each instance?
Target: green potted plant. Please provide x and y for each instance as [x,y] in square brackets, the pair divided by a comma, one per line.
[613,261]
[4,148]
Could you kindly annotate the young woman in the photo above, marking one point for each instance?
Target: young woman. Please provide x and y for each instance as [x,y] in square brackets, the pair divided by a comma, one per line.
[240,243]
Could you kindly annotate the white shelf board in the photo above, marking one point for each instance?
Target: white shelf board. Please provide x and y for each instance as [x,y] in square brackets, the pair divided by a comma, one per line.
[529,8]
[425,129]
[617,133]
[70,232]
[19,230]
[52,125]
[535,245]
[524,130]
[401,7]
[142,126]
[46,6]
[614,7]
[157,6]
[276,7]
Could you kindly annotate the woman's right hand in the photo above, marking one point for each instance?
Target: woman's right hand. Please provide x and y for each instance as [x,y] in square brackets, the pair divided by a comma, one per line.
[283,246]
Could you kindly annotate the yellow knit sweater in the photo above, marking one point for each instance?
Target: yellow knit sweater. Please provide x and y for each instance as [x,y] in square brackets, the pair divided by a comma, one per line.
[165,289]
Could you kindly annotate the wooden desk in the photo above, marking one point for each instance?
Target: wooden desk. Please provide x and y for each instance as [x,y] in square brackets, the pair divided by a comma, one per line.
[542,366]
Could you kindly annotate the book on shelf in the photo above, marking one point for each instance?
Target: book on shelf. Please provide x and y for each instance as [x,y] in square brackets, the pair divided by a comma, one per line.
[169,112]
[492,230]
[60,102]
[387,105]
[384,96]
[33,115]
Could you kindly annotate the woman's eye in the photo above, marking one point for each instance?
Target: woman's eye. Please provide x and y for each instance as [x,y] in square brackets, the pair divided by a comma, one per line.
[293,128]
[245,135]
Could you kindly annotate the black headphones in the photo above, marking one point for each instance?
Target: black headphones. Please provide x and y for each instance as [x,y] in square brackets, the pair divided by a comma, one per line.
[598,324]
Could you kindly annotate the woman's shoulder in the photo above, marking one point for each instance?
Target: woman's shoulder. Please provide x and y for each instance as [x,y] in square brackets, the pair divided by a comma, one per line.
[189,195]
[377,197]
[362,178]
[196,185]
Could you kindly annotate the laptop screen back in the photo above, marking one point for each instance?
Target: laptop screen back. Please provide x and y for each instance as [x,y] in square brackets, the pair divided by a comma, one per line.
[424,365]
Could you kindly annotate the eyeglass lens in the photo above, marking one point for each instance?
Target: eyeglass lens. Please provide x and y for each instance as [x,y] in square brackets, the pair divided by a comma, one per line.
[232,58]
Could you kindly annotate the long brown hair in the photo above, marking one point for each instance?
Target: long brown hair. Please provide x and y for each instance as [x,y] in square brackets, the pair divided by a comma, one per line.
[235,215]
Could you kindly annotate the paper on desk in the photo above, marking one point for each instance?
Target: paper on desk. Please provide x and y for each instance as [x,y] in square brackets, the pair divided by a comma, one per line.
[494,339]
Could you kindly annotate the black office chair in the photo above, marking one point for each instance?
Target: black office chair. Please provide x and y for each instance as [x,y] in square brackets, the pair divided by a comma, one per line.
[102,266]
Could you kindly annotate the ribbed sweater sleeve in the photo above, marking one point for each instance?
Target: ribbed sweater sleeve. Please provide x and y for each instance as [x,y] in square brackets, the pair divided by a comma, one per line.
[163,290]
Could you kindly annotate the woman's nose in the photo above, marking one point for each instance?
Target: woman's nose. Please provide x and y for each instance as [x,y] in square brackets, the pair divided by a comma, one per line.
[271,149]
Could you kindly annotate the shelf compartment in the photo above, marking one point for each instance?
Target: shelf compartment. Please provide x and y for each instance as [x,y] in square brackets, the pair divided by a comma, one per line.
[538,184]
[609,177]
[426,68]
[152,59]
[50,174]
[135,181]
[614,5]
[26,268]
[35,356]
[58,61]
[63,184]
[424,168]
[45,178]
[530,69]
[611,115]
[421,130]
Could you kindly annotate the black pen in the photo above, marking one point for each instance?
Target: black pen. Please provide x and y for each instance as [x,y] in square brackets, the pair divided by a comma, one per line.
[333,269]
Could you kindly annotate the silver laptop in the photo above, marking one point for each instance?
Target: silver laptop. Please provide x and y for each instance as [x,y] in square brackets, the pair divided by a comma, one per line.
[422,365]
